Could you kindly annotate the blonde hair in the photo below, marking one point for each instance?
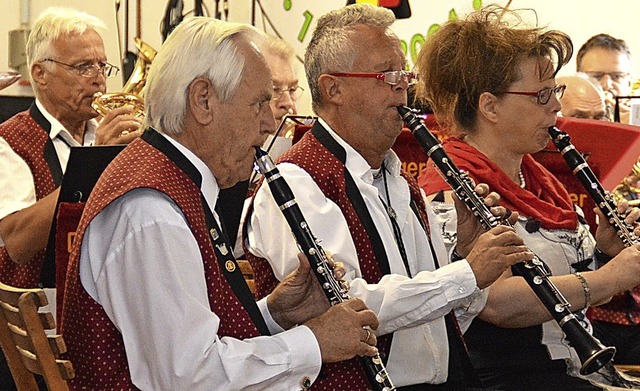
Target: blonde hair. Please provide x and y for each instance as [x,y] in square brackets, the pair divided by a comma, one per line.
[198,47]
[278,47]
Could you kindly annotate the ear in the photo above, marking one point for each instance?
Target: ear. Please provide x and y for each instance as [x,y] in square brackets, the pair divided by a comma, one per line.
[331,89]
[37,73]
[488,106]
[200,95]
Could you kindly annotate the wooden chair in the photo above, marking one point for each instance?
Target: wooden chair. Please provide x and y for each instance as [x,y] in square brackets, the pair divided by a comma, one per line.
[247,273]
[27,348]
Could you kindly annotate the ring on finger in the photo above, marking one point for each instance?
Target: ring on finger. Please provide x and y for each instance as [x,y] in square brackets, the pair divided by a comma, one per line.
[124,133]
[368,335]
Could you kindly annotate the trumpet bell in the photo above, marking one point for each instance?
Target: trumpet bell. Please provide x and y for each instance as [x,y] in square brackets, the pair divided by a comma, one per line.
[104,103]
[132,91]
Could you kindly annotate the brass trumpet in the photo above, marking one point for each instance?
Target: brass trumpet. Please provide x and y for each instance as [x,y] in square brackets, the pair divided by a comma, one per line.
[132,91]
[629,188]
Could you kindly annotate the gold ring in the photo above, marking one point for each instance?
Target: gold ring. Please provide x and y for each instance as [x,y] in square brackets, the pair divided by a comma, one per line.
[124,133]
[368,335]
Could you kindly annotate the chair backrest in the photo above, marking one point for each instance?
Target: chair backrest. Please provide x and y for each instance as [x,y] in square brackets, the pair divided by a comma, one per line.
[28,349]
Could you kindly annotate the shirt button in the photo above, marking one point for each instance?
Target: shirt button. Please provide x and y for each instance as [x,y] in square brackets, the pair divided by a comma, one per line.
[305,383]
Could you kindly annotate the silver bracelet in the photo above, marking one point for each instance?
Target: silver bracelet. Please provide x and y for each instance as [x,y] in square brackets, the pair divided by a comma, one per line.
[585,289]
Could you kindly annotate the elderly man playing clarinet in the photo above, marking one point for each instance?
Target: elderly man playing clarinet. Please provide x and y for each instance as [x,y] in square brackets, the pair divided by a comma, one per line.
[154,299]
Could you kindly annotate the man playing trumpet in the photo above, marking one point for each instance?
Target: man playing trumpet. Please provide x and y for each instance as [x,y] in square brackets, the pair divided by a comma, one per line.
[68,65]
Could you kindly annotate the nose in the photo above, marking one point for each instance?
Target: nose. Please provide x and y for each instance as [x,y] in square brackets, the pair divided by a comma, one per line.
[285,102]
[606,82]
[267,122]
[554,103]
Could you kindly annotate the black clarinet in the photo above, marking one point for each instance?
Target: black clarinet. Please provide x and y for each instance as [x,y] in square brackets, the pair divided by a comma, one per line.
[603,199]
[605,202]
[307,242]
[591,352]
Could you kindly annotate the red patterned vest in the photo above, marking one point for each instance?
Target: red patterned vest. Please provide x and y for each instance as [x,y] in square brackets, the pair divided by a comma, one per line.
[623,309]
[328,172]
[95,347]
[27,139]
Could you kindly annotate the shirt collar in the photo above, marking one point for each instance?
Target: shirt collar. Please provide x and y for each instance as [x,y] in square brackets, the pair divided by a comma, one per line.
[57,130]
[209,187]
[357,165]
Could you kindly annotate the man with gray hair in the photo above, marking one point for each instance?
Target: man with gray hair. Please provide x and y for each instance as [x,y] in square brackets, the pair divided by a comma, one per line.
[372,217]
[68,66]
[154,298]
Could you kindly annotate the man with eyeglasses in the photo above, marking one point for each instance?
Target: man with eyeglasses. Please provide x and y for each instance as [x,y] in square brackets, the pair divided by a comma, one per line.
[608,60]
[68,66]
[280,58]
[370,216]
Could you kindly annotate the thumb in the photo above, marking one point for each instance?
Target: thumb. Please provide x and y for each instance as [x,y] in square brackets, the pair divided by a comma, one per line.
[303,264]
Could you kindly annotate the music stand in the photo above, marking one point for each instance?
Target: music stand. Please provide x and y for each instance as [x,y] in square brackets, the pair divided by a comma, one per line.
[616,110]
[85,166]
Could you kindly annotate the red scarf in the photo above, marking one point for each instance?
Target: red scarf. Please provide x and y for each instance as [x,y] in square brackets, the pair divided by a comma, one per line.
[544,198]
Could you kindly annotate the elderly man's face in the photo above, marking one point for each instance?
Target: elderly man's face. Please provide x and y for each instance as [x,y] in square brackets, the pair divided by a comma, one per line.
[65,93]
[368,104]
[583,100]
[611,68]
[285,83]
[242,123]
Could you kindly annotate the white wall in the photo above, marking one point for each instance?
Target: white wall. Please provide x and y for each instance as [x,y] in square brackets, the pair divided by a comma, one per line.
[578,18]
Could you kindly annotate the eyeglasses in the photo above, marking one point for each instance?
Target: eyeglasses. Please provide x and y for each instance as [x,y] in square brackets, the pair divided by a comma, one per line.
[89,69]
[392,77]
[543,96]
[294,92]
[616,77]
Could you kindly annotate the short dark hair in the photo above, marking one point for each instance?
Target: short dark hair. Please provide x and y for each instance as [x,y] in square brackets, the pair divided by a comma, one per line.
[604,41]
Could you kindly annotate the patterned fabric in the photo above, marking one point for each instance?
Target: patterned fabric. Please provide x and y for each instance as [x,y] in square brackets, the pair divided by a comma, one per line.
[94,344]
[329,174]
[623,309]
[28,139]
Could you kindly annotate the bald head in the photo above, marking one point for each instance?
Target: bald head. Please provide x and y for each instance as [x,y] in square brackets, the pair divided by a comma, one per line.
[583,98]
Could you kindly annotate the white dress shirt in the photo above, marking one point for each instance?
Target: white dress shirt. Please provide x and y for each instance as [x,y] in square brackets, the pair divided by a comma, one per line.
[17,187]
[414,307]
[141,262]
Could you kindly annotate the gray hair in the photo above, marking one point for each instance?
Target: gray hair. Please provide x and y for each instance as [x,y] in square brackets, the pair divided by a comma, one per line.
[331,50]
[278,47]
[53,23]
[198,47]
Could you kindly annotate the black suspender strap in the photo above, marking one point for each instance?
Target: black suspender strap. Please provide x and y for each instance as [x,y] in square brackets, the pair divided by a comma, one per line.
[50,155]
[220,244]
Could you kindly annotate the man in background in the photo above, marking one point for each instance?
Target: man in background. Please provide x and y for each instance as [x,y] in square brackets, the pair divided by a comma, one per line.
[608,60]
[583,98]
[68,66]
[280,58]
